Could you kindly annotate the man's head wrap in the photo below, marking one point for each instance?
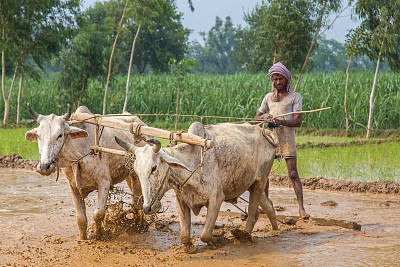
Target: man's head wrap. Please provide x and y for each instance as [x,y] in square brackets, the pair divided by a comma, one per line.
[279,68]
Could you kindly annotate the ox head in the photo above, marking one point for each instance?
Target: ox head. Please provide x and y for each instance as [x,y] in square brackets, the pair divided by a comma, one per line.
[50,136]
[152,167]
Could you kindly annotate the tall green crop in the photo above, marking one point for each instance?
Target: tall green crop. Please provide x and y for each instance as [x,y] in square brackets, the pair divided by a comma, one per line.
[238,95]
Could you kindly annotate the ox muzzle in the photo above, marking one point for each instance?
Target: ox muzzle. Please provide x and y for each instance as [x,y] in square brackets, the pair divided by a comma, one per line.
[46,168]
[152,209]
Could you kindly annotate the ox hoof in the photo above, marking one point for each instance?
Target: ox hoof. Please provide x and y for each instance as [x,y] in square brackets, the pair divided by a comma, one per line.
[189,248]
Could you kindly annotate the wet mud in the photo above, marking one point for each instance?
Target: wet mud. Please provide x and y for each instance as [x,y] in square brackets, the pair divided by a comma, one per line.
[377,187]
[39,228]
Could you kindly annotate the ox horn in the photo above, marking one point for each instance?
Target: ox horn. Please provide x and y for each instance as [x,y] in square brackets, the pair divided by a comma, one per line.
[125,145]
[68,114]
[33,113]
[156,144]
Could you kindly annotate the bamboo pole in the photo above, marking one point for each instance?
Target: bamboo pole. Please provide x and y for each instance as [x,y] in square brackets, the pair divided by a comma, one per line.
[177,137]
[108,150]
[301,112]
[211,117]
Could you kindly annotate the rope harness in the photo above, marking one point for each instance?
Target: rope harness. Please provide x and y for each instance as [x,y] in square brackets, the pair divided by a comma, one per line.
[161,186]
[129,161]
[55,158]
[136,130]
[203,152]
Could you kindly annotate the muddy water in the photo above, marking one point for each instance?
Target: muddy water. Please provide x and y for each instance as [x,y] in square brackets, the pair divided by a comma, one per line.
[39,228]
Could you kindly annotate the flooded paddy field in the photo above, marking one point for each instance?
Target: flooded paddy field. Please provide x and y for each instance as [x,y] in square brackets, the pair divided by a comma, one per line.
[367,162]
[39,228]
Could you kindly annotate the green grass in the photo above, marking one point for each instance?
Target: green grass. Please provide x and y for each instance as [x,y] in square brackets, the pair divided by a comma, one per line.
[12,140]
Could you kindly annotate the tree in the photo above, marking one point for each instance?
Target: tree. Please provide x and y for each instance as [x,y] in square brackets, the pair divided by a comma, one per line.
[34,30]
[159,44]
[321,10]
[378,37]
[111,57]
[162,34]
[217,55]
[83,59]
[281,31]
[328,56]
[149,13]
[352,42]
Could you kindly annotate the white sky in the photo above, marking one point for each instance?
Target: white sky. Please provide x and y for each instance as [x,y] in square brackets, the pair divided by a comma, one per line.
[203,17]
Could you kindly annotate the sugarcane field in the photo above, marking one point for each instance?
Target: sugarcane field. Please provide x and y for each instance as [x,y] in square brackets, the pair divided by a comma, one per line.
[195,133]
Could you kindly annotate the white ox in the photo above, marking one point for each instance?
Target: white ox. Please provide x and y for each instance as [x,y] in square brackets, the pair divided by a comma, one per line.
[69,147]
[240,160]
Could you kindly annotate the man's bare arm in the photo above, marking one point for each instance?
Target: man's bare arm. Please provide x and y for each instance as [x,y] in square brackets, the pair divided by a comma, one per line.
[295,122]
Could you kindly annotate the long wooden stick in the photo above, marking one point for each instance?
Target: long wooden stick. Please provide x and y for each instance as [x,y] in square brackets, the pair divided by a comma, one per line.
[301,112]
[208,117]
[108,150]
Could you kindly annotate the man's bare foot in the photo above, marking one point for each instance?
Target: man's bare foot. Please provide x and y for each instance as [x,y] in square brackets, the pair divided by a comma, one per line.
[304,214]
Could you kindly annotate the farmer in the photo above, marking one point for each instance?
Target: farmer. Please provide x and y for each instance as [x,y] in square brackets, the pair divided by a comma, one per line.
[281,101]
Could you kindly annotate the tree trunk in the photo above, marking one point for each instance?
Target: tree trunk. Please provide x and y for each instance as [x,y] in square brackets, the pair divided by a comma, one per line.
[345,97]
[7,98]
[3,74]
[312,44]
[111,57]
[82,89]
[129,70]
[21,81]
[371,98]
[177,105]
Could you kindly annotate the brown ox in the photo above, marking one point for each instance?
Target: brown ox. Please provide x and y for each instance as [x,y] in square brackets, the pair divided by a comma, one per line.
[69,148]
[240,160]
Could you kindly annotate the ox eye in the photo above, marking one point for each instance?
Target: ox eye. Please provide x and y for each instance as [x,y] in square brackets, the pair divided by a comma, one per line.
[61,135]
[153,169]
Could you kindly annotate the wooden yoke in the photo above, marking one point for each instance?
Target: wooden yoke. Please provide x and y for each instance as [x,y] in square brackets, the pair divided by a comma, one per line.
[178,137]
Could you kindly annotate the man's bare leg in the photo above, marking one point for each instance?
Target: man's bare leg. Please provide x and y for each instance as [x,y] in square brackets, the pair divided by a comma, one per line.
[298,189]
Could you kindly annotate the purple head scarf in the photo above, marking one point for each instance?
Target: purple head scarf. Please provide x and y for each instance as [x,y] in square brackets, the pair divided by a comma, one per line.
[279,68]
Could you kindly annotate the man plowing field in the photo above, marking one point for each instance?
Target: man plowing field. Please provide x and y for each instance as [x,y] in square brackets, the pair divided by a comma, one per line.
[282,101]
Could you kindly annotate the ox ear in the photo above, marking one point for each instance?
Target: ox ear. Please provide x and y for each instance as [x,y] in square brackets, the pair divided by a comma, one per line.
[31,136]
[172,161]
[75,132]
